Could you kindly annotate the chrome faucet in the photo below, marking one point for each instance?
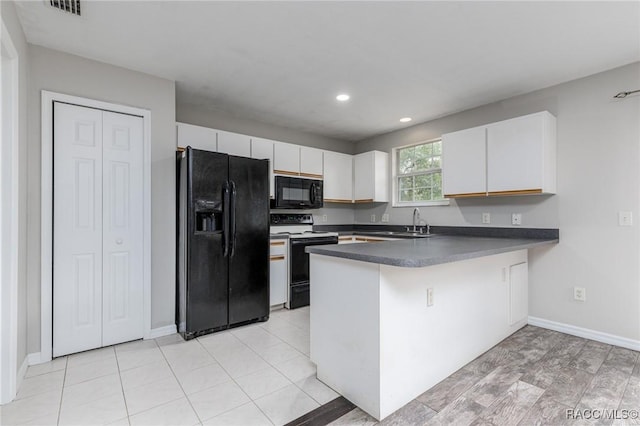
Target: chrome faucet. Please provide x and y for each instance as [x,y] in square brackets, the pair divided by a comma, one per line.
[416,212]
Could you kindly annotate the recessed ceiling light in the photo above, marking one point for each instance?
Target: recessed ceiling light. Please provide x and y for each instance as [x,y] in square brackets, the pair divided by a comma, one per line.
[405,119]
[343,97]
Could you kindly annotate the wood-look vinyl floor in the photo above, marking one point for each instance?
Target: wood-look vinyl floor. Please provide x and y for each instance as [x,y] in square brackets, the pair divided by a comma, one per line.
[534,377]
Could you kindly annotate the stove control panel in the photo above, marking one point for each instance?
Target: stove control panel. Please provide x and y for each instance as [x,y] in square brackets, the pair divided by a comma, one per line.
[291,219]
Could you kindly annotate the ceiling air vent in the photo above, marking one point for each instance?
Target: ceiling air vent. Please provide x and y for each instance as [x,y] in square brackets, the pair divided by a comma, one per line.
[71,6]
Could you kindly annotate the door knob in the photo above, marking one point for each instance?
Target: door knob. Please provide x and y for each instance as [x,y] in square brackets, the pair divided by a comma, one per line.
[119,241]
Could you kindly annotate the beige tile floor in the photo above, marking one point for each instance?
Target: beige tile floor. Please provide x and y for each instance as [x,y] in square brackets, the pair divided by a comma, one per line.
[254,375]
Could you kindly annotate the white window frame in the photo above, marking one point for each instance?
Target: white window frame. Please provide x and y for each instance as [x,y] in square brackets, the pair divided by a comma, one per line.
[394,179]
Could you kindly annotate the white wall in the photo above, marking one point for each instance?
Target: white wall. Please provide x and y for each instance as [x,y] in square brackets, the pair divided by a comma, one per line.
[73,75]
[598,175]
[10,18]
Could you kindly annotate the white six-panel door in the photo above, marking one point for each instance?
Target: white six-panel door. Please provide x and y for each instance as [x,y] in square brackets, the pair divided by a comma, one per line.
[97,228]
[122,228]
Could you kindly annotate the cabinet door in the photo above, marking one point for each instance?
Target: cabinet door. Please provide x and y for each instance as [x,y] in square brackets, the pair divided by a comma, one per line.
[515,155]
[286,159]
[338,177]
[197,137]
[518,293]
[311,162]
[234,144]
[464,160]
[278,273]
[371,177]
[363,177]
[262,149]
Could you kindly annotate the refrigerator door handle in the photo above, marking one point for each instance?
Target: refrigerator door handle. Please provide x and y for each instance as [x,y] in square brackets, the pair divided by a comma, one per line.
[225,217]
[232,221]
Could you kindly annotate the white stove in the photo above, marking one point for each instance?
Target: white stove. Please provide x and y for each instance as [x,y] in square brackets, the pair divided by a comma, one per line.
[298,227]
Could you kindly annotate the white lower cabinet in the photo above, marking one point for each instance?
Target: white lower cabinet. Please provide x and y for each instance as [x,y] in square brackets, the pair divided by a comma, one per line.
[278,276]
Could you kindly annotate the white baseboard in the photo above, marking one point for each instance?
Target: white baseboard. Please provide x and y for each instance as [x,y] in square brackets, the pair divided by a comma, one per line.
[21,372]
[586,333]
[34,358]
[161,331]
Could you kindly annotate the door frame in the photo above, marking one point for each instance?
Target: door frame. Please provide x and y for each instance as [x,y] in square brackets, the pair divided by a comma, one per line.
[9,244]
[46,208]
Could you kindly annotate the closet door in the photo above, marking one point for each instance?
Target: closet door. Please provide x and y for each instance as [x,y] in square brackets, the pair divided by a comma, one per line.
[122,228]
[97,223]
[77,229]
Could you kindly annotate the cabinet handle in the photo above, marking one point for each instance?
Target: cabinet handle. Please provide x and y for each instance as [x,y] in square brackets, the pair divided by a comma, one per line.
[466,195]
[344,238]
[364,200]
[286,172]
[337,200]
[517,192]
[311,175]
[277,243]
[272,258]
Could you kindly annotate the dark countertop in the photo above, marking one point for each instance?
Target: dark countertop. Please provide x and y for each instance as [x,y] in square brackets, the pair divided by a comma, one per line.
[419,252]
[278,236]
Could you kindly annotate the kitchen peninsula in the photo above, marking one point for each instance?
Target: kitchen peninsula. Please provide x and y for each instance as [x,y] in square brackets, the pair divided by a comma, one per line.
[389,320]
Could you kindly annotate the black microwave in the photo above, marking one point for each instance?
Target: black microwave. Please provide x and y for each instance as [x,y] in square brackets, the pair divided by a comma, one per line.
[297,193]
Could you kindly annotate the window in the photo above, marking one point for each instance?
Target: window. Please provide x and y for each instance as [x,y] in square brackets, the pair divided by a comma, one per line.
[418,179]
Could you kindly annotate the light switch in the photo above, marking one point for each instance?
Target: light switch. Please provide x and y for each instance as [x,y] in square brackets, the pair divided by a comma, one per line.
[625,219]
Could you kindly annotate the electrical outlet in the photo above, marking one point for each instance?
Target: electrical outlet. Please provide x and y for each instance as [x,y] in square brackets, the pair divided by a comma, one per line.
[625,219]
[430,296]
[516,219]
[385,218]
[486,217]
[373,218]
[580,294]
[324,217]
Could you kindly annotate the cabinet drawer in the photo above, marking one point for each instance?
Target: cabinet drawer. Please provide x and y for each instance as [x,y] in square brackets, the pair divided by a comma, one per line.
[277,247]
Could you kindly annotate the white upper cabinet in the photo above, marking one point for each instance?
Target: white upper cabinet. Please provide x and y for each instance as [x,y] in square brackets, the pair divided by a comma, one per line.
[296,160]
[311,162]
[262,149]
[464,163]
[197,137]
[511,157]
[286,159]
[234,144]
[371,177]
[338,177]
[521,155]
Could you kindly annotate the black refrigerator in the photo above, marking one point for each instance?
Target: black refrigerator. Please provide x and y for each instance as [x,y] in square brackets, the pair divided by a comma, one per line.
[223,241]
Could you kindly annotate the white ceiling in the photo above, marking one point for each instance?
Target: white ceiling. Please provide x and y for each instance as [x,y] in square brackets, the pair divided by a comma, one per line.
[284,62]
